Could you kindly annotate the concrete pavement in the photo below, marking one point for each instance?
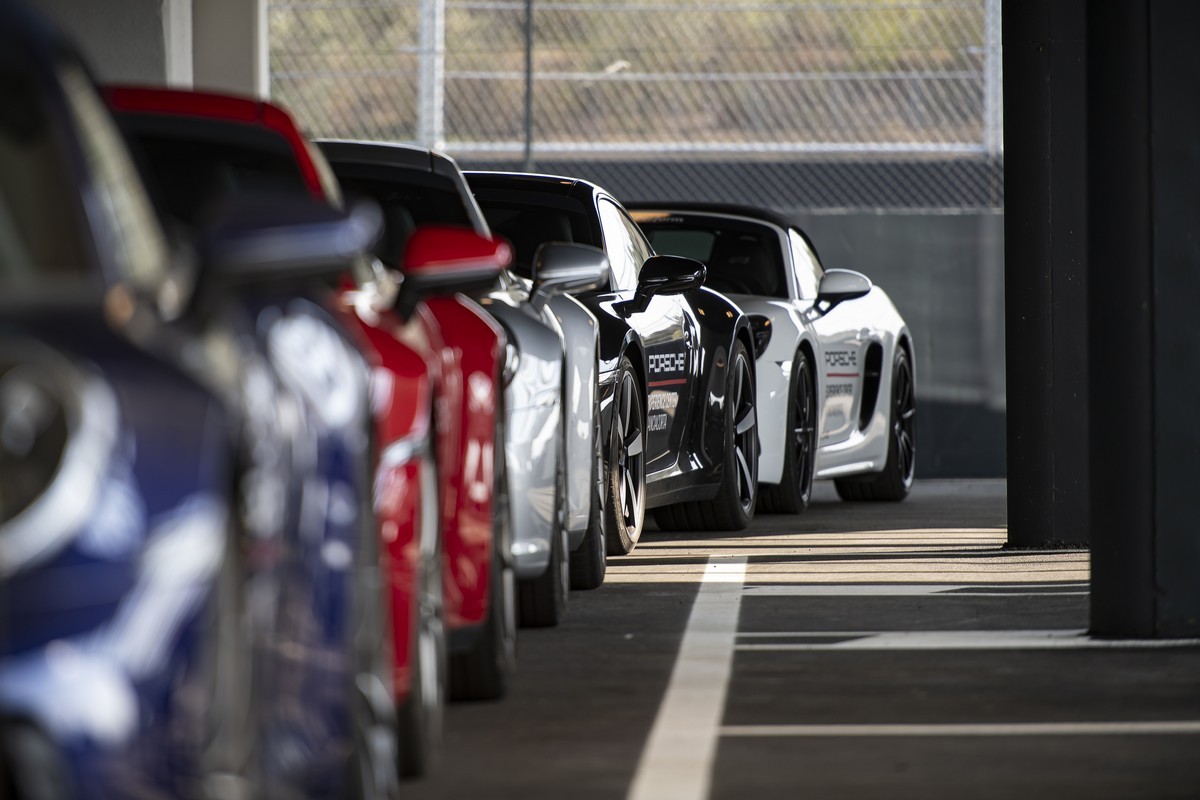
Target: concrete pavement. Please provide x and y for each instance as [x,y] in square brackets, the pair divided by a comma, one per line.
[857,650]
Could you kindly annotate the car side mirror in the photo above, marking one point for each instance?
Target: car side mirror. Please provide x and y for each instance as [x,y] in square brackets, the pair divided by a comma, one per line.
[840,285]
[559,268]
[440,259]
[664,275]
[254,240]
[670,275]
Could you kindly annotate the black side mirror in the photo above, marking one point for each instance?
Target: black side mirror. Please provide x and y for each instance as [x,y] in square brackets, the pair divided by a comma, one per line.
[254,240]
[559,267]
[840,285]
[665,275]
[441,259]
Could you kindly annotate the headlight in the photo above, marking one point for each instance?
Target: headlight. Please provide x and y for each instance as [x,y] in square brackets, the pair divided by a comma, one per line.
[58,428]
[760,328]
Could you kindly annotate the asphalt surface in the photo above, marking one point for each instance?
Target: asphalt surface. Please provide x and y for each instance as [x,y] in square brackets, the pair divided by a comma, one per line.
[854,651]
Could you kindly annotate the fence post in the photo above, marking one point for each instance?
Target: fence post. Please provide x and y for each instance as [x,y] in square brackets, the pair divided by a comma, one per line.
[993,81]
[528,161]
[432,77]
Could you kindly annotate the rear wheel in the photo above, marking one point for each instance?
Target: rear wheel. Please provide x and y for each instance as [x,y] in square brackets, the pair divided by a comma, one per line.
[895,481]
[794,490]
[421,715]
[483,672]
[625,467]
[733,507]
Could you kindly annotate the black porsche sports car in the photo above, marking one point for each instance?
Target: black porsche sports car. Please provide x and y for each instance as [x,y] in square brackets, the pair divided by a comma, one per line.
[677,378]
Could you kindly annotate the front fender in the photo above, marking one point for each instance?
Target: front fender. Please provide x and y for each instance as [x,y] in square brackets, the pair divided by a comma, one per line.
[720,323]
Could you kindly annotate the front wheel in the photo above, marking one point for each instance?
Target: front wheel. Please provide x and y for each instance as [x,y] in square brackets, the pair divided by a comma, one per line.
[589,561]
[896,480]
[543,600]
[625,467]
[733,507]
[792,494]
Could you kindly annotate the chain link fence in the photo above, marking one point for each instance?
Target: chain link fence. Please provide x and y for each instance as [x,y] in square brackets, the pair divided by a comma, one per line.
[885,104]
[876,124]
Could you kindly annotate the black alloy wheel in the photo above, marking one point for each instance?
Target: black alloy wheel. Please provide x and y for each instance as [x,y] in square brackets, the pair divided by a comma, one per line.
[733,507]
[745,436]
[896,479]
[626,466]
[792,494]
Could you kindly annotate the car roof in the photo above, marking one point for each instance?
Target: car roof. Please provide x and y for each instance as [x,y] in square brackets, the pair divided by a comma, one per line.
[391,154]
[553,184]
[717,209]
[726,210]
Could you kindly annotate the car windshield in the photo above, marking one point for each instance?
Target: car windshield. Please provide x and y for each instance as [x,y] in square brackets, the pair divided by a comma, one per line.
[742,257]
[194,163]
[416,199]
[530,219]
[41,244]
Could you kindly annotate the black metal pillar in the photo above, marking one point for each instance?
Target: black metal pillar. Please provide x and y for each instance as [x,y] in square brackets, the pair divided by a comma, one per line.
[1045,271]
[1144,370]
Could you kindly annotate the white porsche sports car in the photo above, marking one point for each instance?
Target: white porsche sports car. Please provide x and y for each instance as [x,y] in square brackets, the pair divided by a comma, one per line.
[835,363]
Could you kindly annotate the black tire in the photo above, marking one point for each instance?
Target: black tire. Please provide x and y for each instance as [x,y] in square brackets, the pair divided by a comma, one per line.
[733,507]
[483,672]
[625,464]
[372,763]
[794,490]
[421,715]
[589,562]
[543,600]
[894,483]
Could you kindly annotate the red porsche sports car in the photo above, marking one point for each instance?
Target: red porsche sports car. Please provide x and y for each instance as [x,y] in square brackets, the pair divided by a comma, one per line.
[438,366]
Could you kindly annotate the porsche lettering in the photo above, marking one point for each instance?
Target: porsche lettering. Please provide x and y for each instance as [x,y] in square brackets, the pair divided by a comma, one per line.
[667,362]
[841,358]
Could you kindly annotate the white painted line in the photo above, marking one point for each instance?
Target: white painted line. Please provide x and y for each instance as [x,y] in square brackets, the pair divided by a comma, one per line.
[1163,728]
[906,590]
[676,763]
[956,640]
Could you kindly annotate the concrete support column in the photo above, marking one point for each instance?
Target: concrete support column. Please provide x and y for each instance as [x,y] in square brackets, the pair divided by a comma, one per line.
[1143,170]
[231,46]
[1045,271]
[130,41]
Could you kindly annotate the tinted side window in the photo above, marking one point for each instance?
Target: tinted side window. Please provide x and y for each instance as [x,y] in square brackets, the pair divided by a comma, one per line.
[808,268]
[420,199]
[138,242]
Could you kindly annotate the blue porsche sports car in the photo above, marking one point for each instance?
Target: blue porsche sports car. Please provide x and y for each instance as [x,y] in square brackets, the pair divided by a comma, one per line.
[189,589]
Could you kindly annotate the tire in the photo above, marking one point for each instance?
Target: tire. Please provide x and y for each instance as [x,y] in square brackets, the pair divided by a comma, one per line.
[483,672]
[733,507]
[372,763]
[794,489]
[589,561]
[894,483]
[422,714]
[543,600]
[625,464]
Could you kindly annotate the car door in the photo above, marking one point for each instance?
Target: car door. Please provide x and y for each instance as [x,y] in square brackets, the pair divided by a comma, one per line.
[842,347]
[668,333]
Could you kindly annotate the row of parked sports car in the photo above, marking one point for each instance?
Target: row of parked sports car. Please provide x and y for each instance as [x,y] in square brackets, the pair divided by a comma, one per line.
[293,434]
